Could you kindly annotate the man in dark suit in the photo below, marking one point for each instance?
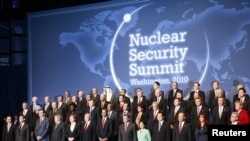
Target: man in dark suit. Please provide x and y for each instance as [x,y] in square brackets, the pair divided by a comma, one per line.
[26,112]
[212,93]
[127,130]
[125,112]
[42,127]
[182,129]
[152,118]
[172,93]
[22,131]
[159,98]
[151,98]
[58,129]
[140,100]
[113,115]
[221,113]
[95,95]
[126,98]
[161,130]
[102,103]
[93,110]
[8,131]
[54,111]
[173,115]
[196,89]
[104,127]
[89,129]
[62,107]
[47,106]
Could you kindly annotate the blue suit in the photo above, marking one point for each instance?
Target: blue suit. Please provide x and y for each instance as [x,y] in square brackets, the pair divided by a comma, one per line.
[42,129]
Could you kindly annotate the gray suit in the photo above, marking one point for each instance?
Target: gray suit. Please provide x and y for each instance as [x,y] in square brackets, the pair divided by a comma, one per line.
[129,135]
[23,134]
[58,132]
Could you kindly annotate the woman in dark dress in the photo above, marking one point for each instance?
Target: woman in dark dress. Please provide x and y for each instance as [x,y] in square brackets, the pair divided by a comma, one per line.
[201,130]
[73,129]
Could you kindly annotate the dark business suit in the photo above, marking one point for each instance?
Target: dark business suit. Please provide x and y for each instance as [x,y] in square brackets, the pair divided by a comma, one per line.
[113,117]
[28,116]
[144,103]
[58,132]
[212,96]
[23,134]
[162,104]
[47,111]
[42,129]
[90,133]
[8,135]
[214,103]
[161,133]
[225,117]
[104,131]
[201,94]
[129,135]
[75,133]
[184,135]
[95,114]
[54,112]
[173,118]
[171,96]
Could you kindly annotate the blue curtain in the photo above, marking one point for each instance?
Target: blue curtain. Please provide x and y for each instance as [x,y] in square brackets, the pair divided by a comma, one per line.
[13,89]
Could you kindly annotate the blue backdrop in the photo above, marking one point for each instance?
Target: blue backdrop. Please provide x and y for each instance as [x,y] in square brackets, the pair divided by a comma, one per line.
[131,44]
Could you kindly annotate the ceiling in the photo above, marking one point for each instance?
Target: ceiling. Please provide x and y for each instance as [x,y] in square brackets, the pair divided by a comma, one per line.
[10,9]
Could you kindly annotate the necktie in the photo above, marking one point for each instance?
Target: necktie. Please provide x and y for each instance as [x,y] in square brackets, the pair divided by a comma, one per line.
[103,122]
[85,127]
[175,110]
[126,127]
[154,115]
[159,127]
[139,101]
[90,110]
[109,114]
[8,127]
[198,110]
[180,127]
[56,126]
[220,112]
[102,104]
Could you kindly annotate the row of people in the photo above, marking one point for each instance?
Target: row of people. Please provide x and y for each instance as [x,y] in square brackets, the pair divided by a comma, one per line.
[102,129]
[220,115]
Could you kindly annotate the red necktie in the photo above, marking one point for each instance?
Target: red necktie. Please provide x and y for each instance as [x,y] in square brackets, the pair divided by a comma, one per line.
[85,127]
[154,115]
[103,122]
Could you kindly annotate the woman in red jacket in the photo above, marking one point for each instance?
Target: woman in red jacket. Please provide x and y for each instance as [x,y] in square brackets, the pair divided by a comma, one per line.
[243,113]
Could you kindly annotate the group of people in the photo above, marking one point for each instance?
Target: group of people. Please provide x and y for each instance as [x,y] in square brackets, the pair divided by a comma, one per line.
[110,117]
